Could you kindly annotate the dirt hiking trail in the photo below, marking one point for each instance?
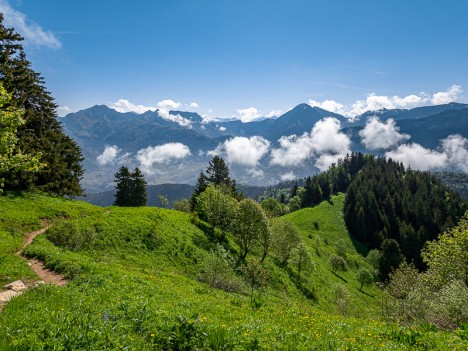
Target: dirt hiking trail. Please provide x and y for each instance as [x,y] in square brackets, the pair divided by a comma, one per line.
[46,276]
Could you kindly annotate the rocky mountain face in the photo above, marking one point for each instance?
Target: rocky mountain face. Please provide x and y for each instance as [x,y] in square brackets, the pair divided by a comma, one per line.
[133,139]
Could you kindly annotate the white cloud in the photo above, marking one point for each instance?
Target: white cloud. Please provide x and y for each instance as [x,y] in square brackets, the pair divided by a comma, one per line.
[374,102]
[108,156]
[33,33]
[243,151]
[444,97]
[63,110]
[274,113]
[324,142]
[161,154]
[222,129]
[255,173]
[456,149]
[123,106]
[381,135]
[165,114]
[168,104]
[194,105]
[326,160]
[418,157]
[329,105]
[248,114]
[288,176]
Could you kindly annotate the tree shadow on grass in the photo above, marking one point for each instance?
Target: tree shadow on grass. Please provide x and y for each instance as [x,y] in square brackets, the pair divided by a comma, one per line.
[339,276]
[365,293]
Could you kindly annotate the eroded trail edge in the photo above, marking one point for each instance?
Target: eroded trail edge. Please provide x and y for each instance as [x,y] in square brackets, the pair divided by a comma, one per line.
[45,275]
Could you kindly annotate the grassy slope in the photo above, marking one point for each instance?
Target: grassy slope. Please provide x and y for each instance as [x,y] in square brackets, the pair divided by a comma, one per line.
[323,227]
[126,296]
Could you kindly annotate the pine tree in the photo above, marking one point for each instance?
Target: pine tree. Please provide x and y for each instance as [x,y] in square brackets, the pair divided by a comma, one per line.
[218,173]
[130,188]
[41,132]
[123,194]
[202,184]
[139,188]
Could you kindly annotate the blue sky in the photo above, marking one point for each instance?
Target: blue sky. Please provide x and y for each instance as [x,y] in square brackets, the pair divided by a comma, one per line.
[246,58]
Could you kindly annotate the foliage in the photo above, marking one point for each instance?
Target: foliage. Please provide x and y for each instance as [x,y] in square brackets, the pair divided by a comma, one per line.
[390,258]
[256,277]
[364,277]
[285,238]
[41,134]
[130,188]
[386,201]
[219,271]
[182,205]
[68,234]
[302,260]
[341,297]
[125,296]
[250,226]
[217,208]
[272,207]
[337,263]
[447,258]
[11,157]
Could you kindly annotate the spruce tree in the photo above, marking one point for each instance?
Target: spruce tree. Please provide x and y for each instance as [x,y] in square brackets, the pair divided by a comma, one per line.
[124,187]
[139,188]
[218,173]
[41,132]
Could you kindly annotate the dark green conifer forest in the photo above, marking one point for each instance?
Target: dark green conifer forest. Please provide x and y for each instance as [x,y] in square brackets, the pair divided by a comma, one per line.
[42,132]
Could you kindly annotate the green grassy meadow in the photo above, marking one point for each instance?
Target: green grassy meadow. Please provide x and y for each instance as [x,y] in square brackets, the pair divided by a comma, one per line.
[137,287]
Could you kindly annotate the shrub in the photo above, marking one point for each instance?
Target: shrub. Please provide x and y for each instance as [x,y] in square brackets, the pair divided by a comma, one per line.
[218,271]
[337,263]
[364,277]
[68,234]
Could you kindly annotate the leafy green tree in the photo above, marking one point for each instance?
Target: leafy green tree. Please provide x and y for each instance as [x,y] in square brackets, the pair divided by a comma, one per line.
[337,263]
[447,258]
[218,209]
[285,238]
[302,260]
[294,203]
[272,207]
[182,205]
[11,157]
[250,225]
[364,277]
[256,276]
[41,133]
[163,200]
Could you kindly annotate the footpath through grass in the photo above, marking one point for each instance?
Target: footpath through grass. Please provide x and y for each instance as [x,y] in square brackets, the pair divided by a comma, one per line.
[136,288]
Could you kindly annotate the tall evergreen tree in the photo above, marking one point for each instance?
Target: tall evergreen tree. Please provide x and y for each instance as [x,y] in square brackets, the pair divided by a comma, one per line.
[124,187]
[218,173]
[139,188]
[130,188]
[41,132]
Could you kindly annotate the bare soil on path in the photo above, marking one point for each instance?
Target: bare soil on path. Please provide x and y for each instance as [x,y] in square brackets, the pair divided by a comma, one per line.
[45,275]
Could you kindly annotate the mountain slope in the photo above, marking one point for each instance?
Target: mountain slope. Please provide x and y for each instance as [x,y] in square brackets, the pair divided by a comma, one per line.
[136,288]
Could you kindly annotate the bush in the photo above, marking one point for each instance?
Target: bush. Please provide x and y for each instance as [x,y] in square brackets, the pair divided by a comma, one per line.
[337,263]
[68,234]
[341,298]
[218,271]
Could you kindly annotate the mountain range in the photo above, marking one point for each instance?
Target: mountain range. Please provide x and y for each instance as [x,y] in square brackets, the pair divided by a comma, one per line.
[109,139]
